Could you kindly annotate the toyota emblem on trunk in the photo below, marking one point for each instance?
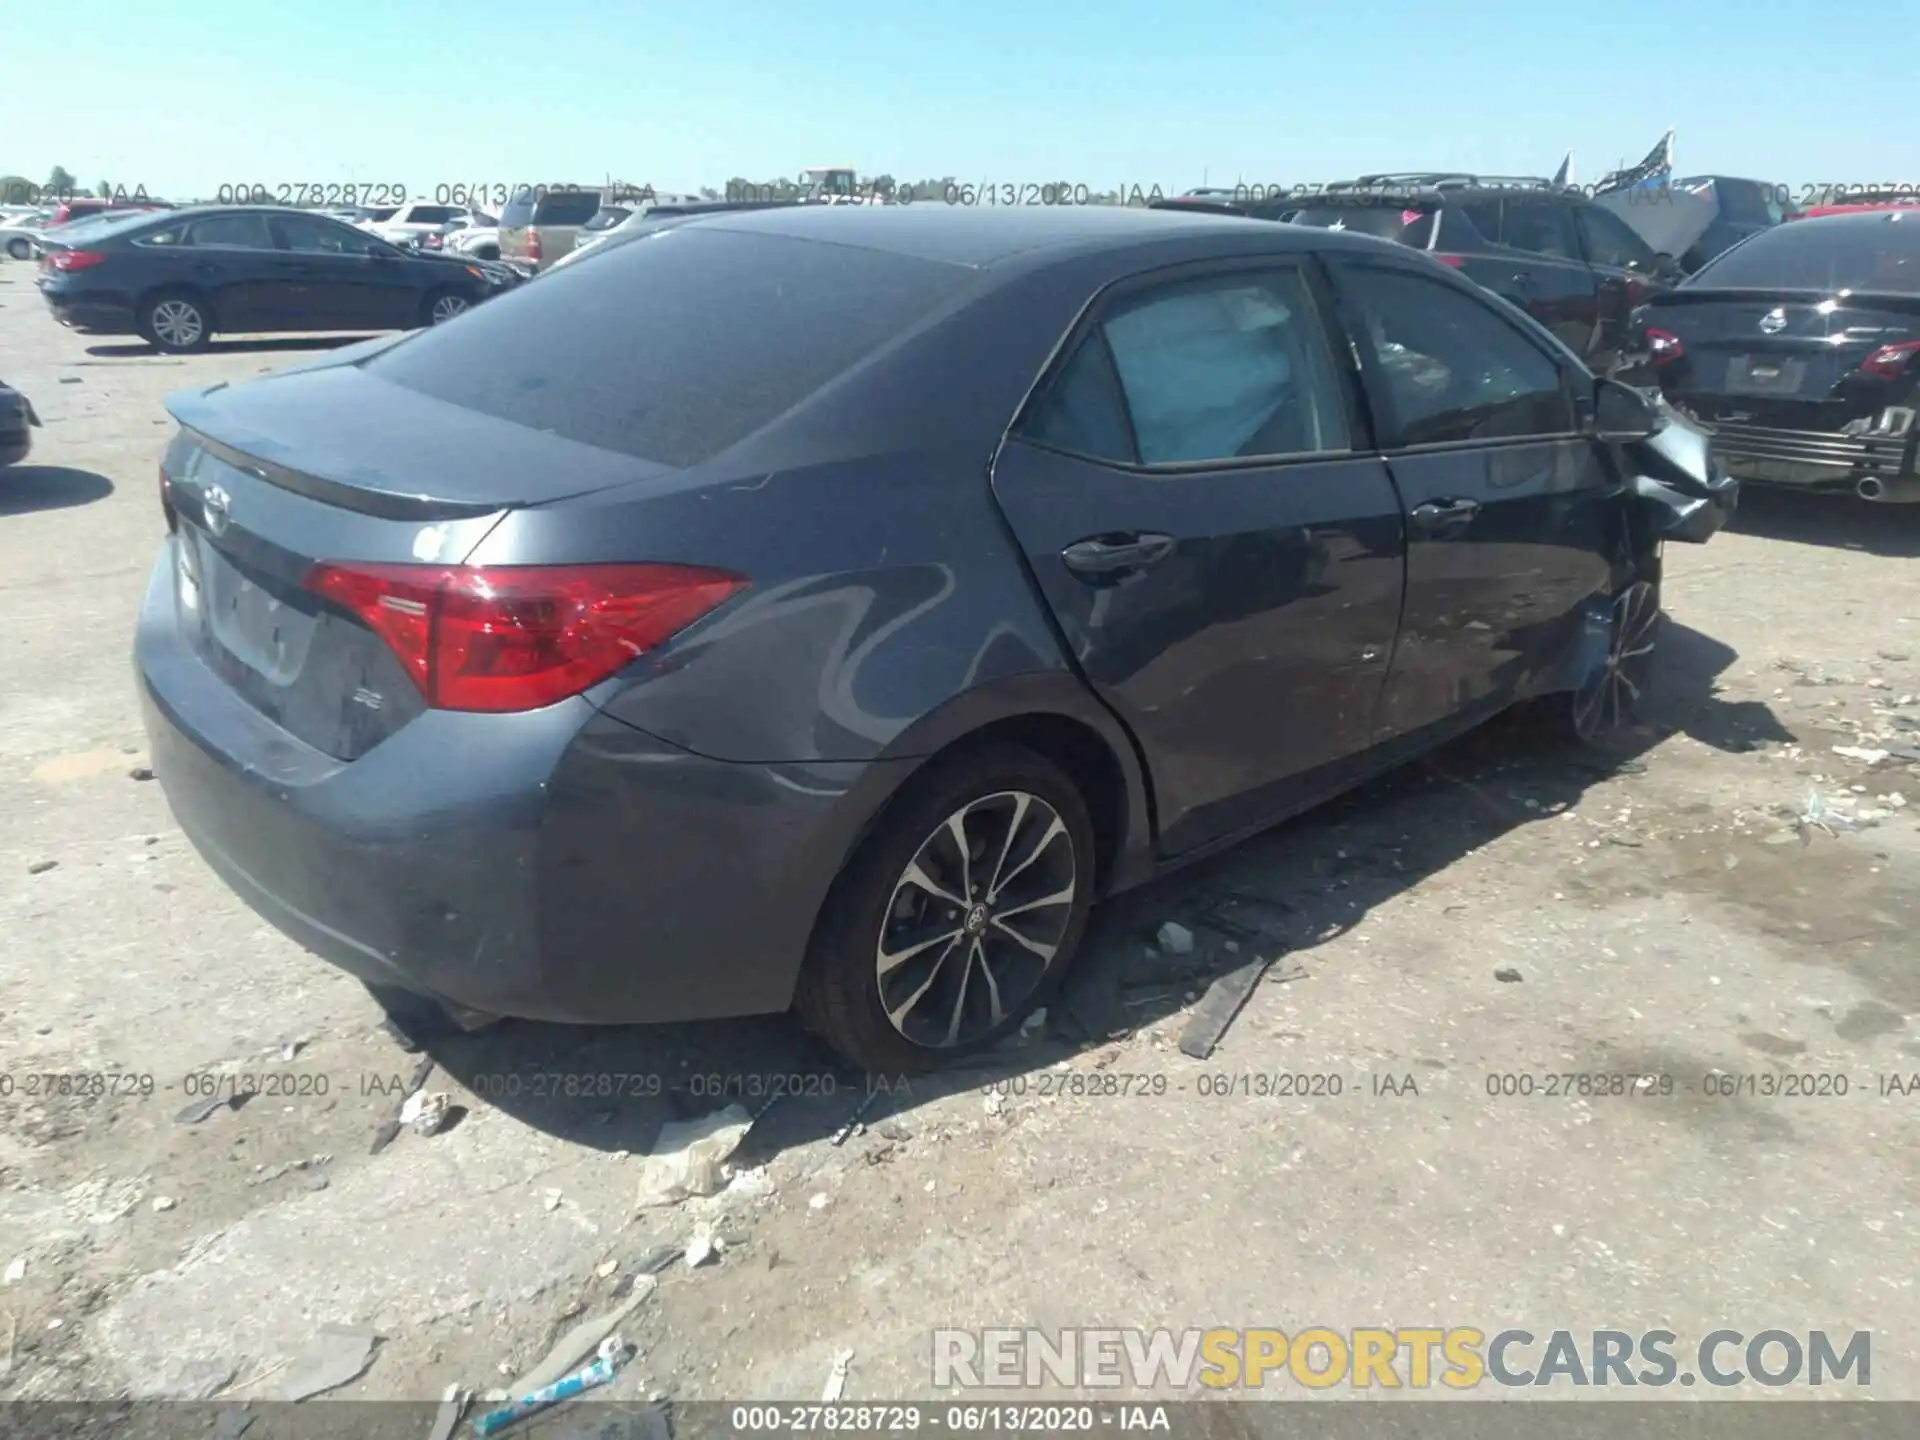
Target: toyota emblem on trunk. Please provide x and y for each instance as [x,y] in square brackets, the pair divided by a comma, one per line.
[216,505]
[1773,322]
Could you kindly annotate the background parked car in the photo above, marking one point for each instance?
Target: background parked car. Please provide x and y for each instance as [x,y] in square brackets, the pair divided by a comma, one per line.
[1800,348]
[20,234]
[576,721]
[540,226]
[419,218]
[178,278]
[480,241]
[1696,218]
[85,208]
[1848,200]
[17,423]
[650,216]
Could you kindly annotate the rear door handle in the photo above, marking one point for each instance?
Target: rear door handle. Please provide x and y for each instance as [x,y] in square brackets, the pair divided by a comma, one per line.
[1444,514]
[1104,554]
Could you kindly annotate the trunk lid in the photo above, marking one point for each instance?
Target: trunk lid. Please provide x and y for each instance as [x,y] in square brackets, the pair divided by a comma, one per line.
[264,481]
[1793,355]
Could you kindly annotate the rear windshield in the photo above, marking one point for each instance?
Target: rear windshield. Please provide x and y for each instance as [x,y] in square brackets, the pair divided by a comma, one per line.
[566,207]
[1879,253]
[1409,222]
[739,330]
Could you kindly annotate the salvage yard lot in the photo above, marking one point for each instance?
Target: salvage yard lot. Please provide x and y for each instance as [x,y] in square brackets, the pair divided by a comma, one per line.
[1664,915]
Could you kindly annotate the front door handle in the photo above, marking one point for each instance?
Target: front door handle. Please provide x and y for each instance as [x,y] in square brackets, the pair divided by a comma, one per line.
[1445,514]
[1104,554]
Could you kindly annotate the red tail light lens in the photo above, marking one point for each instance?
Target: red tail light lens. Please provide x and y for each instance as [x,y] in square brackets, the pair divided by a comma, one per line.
[1454,260]
[533,243]
[1663,346]
[74,259]
[1889,361]
[519,637]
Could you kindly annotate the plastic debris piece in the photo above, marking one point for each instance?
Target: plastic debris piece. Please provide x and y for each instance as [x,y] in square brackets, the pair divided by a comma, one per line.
[701,1248]
[1175,939]
[425,1111]
[579,1343]
[40,867]
[837,1378]
[336,1356]
[606,1268]
[614,1353]
[453,1401]
[550,1201]
[687,1157]
[15,1272]
[1507,975]
[200,1109]
[1861,753]
[818,1202]
[1223,1001]
[163,1202]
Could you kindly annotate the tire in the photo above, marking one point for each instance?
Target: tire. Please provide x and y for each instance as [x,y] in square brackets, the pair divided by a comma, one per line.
[1023,818]
[1613,695]
[20,249]
[444,305]
[176,321]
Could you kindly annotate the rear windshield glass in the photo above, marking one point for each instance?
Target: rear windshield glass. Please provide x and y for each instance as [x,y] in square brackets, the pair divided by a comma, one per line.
[1411,223]
[1880,253]
[739,329]
[566,207]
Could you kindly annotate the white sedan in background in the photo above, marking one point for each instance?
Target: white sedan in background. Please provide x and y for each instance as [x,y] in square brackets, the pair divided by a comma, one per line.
[420,218]
[19,232]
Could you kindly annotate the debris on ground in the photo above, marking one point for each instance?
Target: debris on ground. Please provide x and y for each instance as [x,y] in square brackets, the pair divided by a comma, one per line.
[550,1201]
[453,1402]
[163,1203]
[310,1164]
[818,1202]
[140,772]
[200,1109]
[847,1131]
[1222,1002]
[425,1112]
[577,1344]
[1861,753]
[993,1105]
[337,1355]
[15,1272]
[40,867]
[614,1352]
[687,1157]
[701,1247]
[388,1129]
[657,1258]
[1820,813]
[837,1378]
[1507,975]
[1175,938]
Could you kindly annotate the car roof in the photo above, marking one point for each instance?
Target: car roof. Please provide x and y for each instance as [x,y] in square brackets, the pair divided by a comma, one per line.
[980,236]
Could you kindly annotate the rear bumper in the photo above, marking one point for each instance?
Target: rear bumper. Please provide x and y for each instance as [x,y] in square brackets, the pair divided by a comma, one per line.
[556,865]
[1813,458]
[97,314]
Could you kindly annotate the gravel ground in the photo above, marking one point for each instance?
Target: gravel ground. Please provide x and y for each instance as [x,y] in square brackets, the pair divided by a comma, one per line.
[1661,911]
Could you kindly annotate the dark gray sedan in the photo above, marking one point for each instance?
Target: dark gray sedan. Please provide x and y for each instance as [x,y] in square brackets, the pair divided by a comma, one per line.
[825,606]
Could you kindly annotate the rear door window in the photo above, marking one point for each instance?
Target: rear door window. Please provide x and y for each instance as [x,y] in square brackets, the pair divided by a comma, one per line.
[231,232]
[740,329]
[1540,227]
[1225,367]
[315,235]
[1410,222]
[566,207]
[1483,213]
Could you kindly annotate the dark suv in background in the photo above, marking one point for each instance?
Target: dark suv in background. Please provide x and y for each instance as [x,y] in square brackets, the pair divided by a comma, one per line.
[1548,249]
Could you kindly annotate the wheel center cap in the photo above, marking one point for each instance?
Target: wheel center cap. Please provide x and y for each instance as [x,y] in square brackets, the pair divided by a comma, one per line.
[976,919]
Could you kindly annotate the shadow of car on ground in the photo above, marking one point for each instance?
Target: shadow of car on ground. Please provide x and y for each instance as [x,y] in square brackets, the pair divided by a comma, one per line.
[242,345]
[1843,521]
[26,487]
[1286,891]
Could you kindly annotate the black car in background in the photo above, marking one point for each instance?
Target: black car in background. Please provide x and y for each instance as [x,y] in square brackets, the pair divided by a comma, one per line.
[1800,349]
[1568,262]
[179,277]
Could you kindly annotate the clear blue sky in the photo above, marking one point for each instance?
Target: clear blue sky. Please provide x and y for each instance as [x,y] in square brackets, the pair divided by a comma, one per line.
[182,96]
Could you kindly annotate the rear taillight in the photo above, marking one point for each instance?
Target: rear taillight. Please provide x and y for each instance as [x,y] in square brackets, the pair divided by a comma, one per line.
[533,243]
[1454,260]
[74,259]
[1889,362]
[1663,346]
[519,637]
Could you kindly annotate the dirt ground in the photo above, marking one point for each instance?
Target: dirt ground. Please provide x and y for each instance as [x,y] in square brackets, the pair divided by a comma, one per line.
[1663,914]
